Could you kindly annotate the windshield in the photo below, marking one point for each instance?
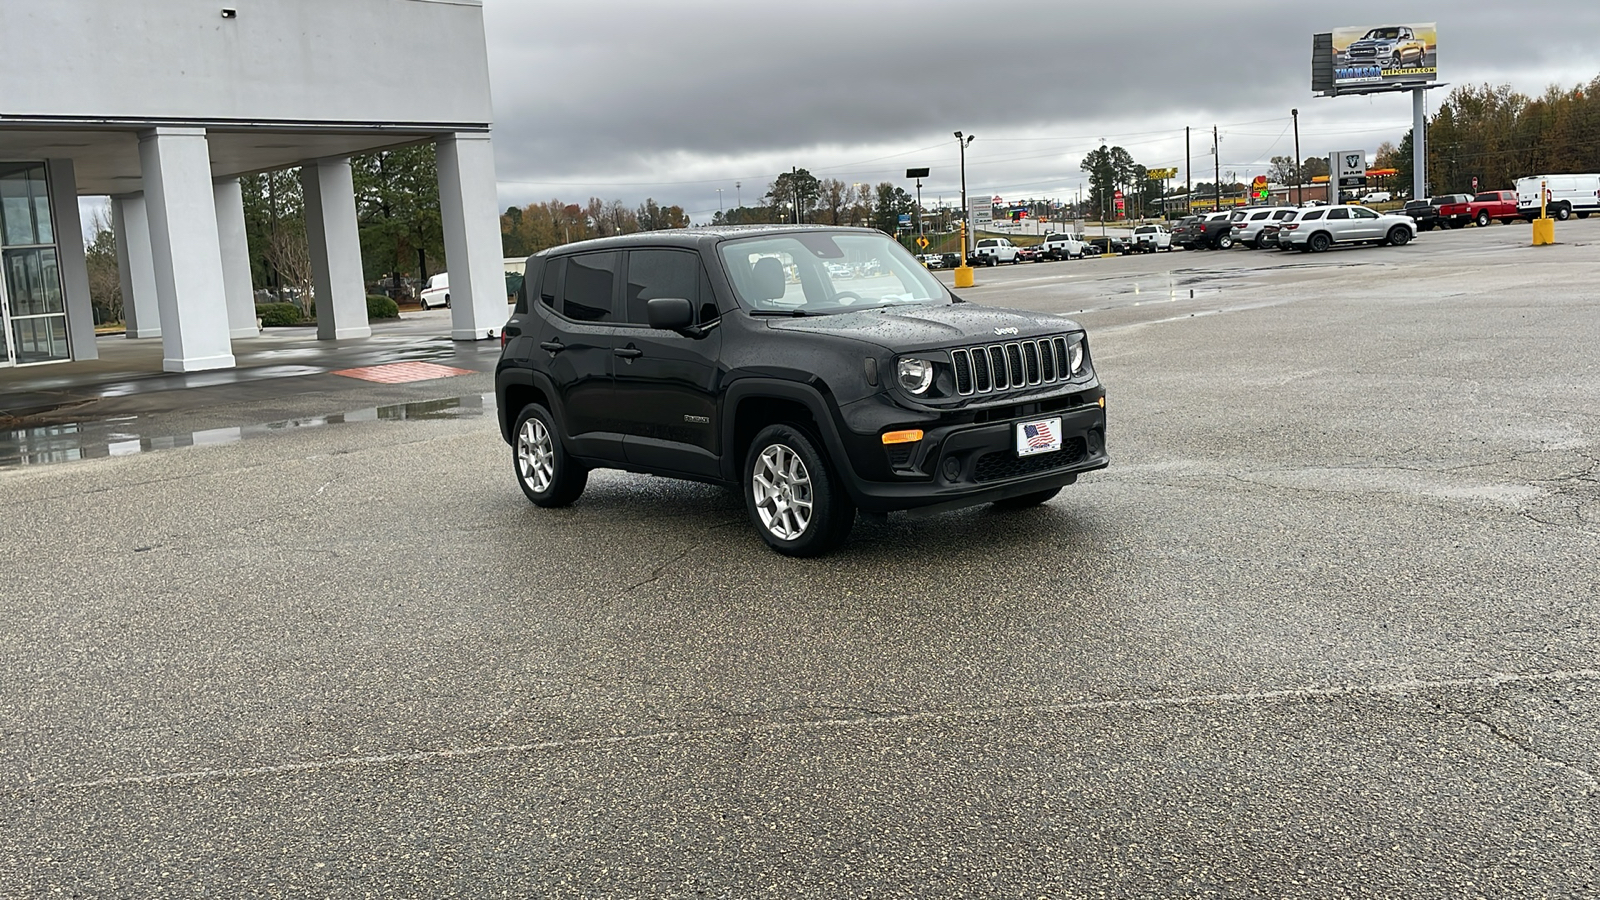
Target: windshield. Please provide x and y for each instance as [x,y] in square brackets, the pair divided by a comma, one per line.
[807,273]
[1383,34]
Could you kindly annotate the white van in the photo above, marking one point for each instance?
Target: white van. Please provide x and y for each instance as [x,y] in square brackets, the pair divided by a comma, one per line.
[1569,194]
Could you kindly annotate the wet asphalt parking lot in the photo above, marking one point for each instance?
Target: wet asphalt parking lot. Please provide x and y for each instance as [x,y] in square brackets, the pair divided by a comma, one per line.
[1327,627]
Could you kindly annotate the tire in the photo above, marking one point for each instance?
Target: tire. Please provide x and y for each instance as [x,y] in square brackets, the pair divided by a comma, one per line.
[1483,219]
[792,472]
[1457,223]
[1016,259]
[545,473]
[446,301]
[1319,242]
[1507,221]
[1583,215]
[1399,236]
[1424,226]
[1026,500]
[422,302]
[1225,242]
[1563,213]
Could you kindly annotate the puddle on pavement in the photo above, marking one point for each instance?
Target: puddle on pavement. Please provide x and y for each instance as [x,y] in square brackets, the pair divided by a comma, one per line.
[71,441]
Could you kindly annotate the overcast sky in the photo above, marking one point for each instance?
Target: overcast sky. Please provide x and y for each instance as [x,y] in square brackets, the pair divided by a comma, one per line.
[673,99]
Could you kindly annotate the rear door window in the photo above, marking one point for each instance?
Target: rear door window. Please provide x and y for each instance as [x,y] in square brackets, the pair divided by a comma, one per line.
[1340,213]
[590,289]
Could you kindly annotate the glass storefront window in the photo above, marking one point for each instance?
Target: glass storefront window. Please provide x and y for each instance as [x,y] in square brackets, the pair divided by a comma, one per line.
[40,339]
[33,320]
[25,205]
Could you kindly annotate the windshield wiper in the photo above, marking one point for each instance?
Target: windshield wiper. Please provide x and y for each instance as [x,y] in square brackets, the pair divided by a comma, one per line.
[789,313]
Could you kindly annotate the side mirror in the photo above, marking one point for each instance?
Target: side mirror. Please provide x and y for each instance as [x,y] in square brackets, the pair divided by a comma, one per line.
[670,314]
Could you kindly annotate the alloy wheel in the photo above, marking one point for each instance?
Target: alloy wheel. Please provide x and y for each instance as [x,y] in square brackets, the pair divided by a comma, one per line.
[536,456]
[782,490]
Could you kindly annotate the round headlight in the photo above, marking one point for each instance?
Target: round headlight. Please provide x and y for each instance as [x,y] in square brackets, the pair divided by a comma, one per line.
[1075,357]
[916,375]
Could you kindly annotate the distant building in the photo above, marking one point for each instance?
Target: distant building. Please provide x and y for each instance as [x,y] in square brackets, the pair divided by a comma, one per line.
[164,104]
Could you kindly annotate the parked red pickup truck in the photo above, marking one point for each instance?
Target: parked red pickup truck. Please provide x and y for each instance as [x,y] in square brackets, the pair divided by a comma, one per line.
[1455,210]
[1500,205]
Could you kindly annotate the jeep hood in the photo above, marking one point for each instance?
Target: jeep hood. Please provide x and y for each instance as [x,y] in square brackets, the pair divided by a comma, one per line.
[907,328]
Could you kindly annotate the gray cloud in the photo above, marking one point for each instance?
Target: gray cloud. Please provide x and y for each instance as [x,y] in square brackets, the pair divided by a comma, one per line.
[627,99]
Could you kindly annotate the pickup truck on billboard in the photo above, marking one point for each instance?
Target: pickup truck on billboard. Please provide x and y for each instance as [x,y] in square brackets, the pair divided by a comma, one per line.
[1386,54]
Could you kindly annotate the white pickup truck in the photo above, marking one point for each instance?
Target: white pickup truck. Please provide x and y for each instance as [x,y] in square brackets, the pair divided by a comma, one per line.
[993,251]
[1062,246]
[1150,238]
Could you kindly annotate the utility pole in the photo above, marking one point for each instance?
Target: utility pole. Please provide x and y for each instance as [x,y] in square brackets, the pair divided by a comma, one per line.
[1188,173]
[1216,159]
[1299,176]
[794,178]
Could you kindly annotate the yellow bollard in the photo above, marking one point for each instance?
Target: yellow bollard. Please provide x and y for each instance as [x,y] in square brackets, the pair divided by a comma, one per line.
[963,271]
[1544,227]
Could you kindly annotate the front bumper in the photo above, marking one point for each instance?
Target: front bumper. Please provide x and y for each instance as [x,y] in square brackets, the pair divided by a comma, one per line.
[966,464]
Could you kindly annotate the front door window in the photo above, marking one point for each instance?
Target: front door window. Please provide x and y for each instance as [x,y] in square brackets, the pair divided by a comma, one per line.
[33,310]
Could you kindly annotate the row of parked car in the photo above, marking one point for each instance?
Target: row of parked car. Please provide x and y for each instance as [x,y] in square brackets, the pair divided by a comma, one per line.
[1306,228]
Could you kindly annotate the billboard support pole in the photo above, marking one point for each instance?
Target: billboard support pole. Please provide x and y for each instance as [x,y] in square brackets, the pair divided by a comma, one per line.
[1419,144]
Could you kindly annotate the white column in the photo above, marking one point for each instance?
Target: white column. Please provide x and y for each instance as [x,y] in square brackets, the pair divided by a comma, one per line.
[74,269]
[470,212]
[229,196]
[335,250]
[140,308]
[176,166]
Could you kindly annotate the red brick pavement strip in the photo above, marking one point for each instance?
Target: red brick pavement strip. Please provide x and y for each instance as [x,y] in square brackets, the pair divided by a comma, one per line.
[401,373]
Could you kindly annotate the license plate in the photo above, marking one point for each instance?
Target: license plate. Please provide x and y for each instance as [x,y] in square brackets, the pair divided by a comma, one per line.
[1039,436]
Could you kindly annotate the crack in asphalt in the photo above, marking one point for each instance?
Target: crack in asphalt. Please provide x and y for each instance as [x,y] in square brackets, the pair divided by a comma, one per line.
[1527,747]
[1395,690]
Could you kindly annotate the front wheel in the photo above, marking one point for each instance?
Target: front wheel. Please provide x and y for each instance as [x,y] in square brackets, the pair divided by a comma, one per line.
[1399,235]
[1483,220]
[792,496]
[546,474]
[1026,500]
[1562,213]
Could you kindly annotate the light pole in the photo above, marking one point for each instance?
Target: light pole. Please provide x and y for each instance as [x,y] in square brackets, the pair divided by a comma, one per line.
[738,202]
[964,271]
[1299,177]
[719,200]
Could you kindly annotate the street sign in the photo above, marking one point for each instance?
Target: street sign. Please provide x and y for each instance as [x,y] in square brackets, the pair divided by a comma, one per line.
[981,214]
[917,173]
[905,218]
[1160,174]
[922,243]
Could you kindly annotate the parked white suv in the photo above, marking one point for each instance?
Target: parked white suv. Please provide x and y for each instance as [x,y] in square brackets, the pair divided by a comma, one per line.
[1248,223]
[991,251]
[1063,246]
[1320,228]
[437,293]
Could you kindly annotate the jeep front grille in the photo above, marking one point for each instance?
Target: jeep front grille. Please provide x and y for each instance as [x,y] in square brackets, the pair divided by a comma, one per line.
[1011,365]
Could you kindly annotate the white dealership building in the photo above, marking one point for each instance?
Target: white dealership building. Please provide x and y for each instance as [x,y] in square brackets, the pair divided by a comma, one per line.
[164,104]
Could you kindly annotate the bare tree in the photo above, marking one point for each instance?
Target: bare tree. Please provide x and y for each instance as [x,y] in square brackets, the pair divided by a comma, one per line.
[105,279]
[289,253]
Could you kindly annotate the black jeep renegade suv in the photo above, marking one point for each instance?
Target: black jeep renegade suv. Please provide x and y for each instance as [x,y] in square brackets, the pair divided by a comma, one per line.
[818,370]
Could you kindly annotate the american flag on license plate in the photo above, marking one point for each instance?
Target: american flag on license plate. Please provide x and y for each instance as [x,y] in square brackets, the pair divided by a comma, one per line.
[1038,435]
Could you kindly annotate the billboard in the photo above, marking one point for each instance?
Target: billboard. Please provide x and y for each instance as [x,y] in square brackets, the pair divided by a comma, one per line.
[1383,57]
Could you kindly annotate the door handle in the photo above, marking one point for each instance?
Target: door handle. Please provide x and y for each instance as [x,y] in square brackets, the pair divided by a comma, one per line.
[628,352]
[552,346]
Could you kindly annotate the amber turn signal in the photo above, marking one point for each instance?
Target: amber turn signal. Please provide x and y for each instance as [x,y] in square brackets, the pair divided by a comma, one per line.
[902,437]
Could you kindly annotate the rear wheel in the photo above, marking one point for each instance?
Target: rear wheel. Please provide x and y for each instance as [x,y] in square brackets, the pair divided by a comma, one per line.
[1225,242]
[544,471]
[792,497]
[1483,218]
[1319,242]
[1399,236]
[1026,500]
